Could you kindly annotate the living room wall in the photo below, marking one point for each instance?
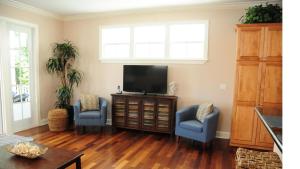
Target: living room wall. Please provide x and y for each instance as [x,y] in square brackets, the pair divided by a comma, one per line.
[50,31]
[196,82]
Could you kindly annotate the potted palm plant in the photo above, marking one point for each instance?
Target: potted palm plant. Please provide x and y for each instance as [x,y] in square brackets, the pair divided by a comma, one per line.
[268,13]
[61,64]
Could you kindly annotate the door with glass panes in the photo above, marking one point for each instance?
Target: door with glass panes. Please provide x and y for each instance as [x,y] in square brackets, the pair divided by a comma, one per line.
[21,76]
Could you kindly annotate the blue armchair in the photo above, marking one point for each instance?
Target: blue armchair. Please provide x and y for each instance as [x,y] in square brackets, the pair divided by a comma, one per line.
[187,126]
[91,118]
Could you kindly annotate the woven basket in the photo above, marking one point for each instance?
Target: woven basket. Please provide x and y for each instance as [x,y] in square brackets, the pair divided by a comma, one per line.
[58,119]
[250,159]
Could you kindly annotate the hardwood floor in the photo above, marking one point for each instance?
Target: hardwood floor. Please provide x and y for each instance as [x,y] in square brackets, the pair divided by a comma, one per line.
[136,150]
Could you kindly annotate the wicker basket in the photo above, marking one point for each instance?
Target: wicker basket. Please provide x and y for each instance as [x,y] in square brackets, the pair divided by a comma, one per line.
[58,119]
[250,159]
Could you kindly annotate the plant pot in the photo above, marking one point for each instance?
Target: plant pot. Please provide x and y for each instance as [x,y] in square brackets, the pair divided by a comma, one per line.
[58,119]
[70,110]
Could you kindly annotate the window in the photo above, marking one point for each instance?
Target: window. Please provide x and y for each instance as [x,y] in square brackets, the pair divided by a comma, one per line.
[187,41]
[149,42]
[115,43]
[164,42]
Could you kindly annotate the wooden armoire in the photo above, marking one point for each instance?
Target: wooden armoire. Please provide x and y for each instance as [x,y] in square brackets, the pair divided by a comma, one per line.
[258,82]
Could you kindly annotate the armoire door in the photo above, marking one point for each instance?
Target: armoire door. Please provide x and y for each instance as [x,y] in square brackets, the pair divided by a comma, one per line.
[271,84]
[250,42]
[247,87]
[271,96]
[273,43]
[244,125]
[247,81]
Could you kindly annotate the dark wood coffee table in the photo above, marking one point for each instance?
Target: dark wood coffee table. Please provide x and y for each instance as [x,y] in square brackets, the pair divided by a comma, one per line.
[53,159]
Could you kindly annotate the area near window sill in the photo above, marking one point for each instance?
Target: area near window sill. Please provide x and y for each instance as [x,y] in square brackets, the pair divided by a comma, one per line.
[153,61]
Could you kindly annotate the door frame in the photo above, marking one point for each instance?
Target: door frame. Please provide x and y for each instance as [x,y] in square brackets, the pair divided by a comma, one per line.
[6,108]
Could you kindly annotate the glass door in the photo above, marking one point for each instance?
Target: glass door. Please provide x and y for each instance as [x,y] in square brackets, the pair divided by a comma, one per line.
[20,52]
[1,118]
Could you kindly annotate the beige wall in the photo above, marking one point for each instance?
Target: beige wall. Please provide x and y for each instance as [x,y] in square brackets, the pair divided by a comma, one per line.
[50,31]
[196,83]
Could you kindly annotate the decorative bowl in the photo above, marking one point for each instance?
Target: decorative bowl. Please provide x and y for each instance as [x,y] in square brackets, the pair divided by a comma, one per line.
[26,149]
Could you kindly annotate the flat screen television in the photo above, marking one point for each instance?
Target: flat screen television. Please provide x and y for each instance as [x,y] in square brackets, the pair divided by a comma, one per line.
[145,78]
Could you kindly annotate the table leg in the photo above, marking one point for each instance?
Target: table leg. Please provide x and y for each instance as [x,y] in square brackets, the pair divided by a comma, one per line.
[78,163]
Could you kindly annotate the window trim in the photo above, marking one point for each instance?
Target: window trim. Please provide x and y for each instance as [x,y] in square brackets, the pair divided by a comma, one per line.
[134,60]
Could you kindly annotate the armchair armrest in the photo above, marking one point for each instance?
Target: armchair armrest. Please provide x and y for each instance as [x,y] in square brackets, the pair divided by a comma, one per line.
[103,109]
[76,110]
[187,113]
[210,124]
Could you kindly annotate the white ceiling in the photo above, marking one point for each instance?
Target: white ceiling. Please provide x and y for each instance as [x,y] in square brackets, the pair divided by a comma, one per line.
[70,7]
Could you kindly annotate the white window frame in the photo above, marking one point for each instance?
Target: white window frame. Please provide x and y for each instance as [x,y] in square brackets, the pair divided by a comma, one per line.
[133,60]
[130,41]
[133,45]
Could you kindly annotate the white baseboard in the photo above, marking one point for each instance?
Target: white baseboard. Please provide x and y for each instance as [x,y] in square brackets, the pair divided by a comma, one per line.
[223,134]
[43,122]
[219,134]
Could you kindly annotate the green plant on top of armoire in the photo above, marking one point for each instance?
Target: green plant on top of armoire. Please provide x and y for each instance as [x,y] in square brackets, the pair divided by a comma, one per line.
[61,64]
[267,13]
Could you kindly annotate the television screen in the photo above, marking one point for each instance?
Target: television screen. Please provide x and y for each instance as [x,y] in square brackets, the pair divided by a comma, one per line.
[145,78]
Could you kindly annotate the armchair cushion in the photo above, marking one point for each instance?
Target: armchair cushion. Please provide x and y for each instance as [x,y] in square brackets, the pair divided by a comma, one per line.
[89,102]
[203,110]
[194,125]
[90,115]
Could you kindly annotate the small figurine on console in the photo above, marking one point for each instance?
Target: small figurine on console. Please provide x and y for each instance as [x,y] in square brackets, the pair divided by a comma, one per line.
[119,90]
[172,88]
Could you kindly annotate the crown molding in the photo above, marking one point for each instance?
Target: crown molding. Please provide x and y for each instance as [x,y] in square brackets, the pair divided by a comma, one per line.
[213,6]
[29,8]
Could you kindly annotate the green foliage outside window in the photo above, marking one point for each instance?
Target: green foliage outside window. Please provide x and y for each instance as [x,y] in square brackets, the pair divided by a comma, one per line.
[21,67]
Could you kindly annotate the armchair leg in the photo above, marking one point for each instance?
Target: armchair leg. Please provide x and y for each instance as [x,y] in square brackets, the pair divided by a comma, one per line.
[204,145]
[210,144]
[77,129]
[83,129]
[177,139]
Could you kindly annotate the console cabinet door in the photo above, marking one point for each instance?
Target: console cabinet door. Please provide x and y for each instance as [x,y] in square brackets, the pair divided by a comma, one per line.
[133,109]
[148,114]
[163,115]
[119,111]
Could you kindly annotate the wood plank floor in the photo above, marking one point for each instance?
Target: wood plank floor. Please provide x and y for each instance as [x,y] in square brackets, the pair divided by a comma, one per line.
[136,150]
